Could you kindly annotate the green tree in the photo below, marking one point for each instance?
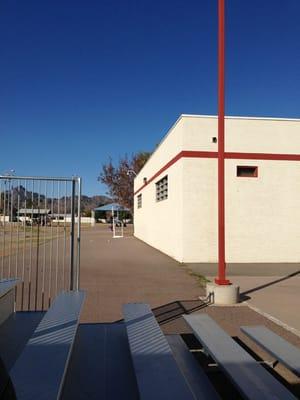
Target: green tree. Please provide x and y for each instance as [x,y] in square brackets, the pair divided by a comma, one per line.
[119,178]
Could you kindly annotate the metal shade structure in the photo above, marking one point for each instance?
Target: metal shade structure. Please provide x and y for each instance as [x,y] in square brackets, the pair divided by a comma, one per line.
[109,207]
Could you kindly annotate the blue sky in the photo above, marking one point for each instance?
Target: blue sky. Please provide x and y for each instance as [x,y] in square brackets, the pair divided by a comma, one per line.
[84,80]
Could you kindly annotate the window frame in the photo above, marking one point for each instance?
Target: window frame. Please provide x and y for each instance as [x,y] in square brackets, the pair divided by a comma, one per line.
[139,201]
[255,171]
[162,189]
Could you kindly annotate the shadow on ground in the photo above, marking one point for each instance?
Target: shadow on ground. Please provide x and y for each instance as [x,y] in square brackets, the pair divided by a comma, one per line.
[260,287]
[174,310]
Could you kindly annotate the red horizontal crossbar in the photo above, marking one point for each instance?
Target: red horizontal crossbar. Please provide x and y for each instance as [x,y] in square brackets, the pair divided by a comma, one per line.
[228,155]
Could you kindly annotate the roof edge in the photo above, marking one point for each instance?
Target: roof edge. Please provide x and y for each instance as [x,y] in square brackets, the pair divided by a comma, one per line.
[212,117]
[238,117]
[162,140]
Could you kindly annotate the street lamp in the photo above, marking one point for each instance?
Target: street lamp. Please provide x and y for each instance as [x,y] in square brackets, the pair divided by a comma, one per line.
[131,172]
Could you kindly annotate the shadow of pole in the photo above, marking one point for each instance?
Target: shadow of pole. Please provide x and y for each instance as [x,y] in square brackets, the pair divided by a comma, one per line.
[255,289]
[174,310]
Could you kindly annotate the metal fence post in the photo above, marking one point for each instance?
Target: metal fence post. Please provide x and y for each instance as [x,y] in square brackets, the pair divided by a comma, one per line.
[78,234]
[72,235]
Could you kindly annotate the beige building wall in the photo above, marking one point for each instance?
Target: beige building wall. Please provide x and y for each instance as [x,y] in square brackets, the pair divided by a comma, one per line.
[200,223]
[262,214]
[160,223]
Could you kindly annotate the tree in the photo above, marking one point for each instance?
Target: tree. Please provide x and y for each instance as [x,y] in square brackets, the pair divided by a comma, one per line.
[119,179]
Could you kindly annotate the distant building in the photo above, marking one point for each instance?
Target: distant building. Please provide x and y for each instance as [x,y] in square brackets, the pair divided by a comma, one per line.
[176,195]
[34,211]
[103,213]
[4,218]
[33,214]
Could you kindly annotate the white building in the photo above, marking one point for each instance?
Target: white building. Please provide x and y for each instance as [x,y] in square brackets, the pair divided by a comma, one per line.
[176,204]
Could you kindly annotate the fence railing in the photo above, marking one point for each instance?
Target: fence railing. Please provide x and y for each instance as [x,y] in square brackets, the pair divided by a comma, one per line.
[40,237]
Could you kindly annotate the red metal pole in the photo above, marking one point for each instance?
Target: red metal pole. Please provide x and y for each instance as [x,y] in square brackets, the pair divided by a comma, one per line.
[221,279]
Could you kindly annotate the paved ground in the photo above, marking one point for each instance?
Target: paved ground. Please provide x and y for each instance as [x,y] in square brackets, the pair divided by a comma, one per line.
[276,296]
[271,288]
[247,269]
[116,271]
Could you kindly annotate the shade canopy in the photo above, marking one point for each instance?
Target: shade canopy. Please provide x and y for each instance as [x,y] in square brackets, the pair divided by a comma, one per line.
[109,207]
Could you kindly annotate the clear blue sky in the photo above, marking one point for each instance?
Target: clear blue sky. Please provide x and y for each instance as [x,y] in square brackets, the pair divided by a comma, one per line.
[84,80]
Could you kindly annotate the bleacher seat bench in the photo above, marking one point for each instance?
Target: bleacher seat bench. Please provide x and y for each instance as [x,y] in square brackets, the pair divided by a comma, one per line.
[7,298]
[283,351]
[190,368]
[39,372]
[157,373]
[250,378]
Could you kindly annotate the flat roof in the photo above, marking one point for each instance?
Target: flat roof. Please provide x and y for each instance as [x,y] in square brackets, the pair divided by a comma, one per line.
[34,211]
[214,117]
[237,117]
[108,207]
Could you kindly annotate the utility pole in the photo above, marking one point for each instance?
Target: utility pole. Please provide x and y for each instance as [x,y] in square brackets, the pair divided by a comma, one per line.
[221,279]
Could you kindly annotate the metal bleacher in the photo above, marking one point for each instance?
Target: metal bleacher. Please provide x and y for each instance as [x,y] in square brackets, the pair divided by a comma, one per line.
[132,359]
[166,369]
[157,372]
[40,369]
[283,351]
[250,378]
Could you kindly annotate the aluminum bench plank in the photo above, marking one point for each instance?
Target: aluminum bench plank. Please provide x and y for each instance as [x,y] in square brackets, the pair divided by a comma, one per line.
[194,374]
[39,372]
[252,380]
[6,285]
[7,298]
[283,351]
[158,376]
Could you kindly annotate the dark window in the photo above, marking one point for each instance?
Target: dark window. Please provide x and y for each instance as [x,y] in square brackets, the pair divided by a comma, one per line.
[162,189]
[139,201]
[246,171]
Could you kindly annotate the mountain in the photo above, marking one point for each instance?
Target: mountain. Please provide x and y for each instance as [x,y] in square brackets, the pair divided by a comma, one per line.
[21,197]
[89,203]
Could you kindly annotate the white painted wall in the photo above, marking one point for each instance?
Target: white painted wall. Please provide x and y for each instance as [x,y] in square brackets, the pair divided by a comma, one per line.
[262,135]
[68,219]
[200,223]
[160,223]
[262,214]
[171,145]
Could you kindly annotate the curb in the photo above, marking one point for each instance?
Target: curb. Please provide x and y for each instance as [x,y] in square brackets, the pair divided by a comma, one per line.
[273,319]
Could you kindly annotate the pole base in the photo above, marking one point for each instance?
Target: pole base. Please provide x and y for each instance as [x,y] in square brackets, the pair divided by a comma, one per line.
[223,294]
[222,281]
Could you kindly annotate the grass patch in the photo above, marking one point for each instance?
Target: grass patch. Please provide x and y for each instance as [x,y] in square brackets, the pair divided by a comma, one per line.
[201,279]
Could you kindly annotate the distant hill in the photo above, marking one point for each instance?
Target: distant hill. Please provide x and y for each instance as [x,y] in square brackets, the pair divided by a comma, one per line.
[22,198]
[89,203]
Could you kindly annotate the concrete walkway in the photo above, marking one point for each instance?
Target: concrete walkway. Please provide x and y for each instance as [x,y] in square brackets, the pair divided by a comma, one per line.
[116,271]
[278,296]
[272,289]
